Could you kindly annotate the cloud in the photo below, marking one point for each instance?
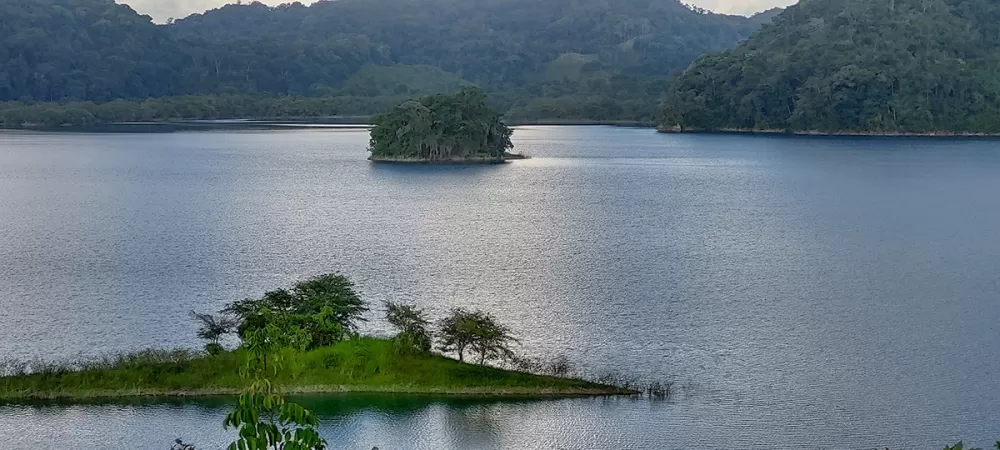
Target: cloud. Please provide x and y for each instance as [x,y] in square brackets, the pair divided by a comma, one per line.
[745,7]
[161,10]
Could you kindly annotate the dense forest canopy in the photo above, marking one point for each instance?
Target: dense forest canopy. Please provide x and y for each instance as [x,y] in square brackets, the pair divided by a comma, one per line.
[82,50]
[589,58]
[441,127]
[853,65]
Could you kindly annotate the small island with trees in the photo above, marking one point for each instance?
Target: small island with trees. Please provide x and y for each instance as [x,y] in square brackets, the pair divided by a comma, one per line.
[306,340]
[442,129]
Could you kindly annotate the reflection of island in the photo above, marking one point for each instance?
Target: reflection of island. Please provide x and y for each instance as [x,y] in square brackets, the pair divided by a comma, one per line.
[457,128]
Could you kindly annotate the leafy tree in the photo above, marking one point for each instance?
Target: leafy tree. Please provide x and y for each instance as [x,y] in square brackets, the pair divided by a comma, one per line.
[477,331]
[326,308]
[412,325]
[493,341]
[212,329]
[262,417]
[457,331]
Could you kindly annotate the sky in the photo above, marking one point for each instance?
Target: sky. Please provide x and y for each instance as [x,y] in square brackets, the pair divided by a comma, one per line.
[161,10]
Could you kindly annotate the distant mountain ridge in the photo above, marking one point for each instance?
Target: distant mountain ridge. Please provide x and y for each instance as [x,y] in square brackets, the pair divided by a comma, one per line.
[892,66]
[520,51]
[488,42]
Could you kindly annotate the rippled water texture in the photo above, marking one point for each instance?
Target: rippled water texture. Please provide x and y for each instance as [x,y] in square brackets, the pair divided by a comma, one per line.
[802,292]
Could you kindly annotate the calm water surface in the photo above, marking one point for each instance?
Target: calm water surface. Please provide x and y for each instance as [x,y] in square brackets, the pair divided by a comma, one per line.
[801,292]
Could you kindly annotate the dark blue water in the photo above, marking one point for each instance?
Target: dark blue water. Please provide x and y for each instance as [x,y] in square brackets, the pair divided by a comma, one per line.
[801,292]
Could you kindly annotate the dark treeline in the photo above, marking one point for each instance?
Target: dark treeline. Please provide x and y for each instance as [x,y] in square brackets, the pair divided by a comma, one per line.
[597,59]
[846,65]
[191,107]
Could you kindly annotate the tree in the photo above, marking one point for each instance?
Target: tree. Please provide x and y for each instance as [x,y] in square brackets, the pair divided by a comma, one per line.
[212,329]
[412,325]
[493,341]
[330,291]
[325,307]
[477,331]
[457,331]
[262,417]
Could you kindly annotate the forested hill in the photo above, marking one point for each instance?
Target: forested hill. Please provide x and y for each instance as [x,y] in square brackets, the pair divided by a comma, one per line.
[496,43]
[554,57]
[853,65]
[82,50]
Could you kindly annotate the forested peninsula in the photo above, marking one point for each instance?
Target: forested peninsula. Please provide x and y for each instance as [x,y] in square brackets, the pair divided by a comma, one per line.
[84,62]
[926,67]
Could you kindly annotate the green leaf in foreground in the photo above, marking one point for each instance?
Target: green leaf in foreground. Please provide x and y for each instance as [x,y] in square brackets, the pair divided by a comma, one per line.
[264,419]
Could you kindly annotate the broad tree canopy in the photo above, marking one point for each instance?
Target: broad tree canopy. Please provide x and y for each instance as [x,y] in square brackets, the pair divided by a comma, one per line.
[441,128]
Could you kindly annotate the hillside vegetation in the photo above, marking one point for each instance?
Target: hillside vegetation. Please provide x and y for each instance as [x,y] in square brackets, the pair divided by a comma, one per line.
[926,66]
[597,59]
[441,128]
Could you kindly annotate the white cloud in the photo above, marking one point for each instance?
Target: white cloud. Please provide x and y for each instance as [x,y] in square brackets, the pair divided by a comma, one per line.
[161,10]
[745,7]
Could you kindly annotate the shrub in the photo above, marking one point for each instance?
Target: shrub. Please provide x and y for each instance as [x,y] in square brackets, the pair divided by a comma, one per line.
[214,349]
[412,326]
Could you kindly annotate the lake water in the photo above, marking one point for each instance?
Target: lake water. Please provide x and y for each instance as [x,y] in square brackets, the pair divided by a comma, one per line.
[800,292]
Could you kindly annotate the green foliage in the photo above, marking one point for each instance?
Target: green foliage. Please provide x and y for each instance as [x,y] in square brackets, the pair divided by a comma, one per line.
[82,50]
[412,325]
[351,50]
[316,312]
[214,348]
[477,331]
[124,374]
[373,80]
[441,127]
[843,65]
[263,418]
